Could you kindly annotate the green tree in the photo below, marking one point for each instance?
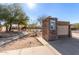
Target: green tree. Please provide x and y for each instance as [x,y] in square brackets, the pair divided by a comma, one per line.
[12,13]
[4,14]
[77,25]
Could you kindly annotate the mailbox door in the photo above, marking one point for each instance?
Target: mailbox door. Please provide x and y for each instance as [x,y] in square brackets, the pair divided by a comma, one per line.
[53,29]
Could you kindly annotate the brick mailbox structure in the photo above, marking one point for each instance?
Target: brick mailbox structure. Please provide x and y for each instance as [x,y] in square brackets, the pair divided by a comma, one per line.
[53,29]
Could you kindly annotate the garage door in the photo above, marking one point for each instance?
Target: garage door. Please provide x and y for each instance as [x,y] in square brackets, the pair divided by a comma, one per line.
[62,30]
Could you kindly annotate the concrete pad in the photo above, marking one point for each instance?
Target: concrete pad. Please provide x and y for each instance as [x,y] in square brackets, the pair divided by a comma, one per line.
[11,52]
[75,35]
[40,50]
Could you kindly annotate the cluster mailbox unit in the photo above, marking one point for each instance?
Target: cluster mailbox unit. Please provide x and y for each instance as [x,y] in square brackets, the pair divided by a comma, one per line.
[53,29]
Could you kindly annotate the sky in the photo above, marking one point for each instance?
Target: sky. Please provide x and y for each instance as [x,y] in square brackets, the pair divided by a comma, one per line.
[63,11]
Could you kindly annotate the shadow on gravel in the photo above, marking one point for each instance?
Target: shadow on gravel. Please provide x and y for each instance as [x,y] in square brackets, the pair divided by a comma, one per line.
[7,37]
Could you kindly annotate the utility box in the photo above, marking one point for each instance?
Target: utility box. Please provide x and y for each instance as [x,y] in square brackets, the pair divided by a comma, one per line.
[53,29]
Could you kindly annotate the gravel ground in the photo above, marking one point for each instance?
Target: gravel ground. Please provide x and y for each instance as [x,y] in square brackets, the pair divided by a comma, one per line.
[24,42]
[8,34]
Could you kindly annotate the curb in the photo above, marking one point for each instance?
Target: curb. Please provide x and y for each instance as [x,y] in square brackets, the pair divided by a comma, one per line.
[48,45]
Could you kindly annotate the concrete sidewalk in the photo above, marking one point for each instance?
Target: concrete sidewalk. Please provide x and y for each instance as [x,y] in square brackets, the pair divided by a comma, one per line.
[75,35]
[40,50]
